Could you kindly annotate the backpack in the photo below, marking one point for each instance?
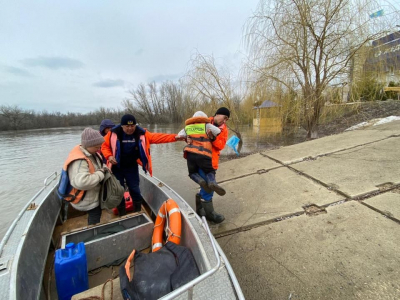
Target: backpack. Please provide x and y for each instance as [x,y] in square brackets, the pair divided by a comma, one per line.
[158,273]
[111,191]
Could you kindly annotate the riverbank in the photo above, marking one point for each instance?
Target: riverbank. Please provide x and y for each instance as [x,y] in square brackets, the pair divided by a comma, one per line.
[315,220]
[346,118]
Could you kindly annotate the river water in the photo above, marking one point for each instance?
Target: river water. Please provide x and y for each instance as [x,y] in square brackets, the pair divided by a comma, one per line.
[29,156]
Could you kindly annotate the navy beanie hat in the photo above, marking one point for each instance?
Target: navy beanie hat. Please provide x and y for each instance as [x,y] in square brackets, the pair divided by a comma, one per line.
[128,120]
[223,111]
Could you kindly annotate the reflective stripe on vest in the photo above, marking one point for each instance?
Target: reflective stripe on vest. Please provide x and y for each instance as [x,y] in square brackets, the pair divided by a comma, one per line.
[113,145]
[195,129]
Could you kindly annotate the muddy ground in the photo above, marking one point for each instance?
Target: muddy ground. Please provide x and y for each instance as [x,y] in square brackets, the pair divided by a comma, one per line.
[365,112]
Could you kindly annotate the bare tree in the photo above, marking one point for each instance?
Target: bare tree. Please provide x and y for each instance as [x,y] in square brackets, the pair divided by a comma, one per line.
[155,100]
[14,114]
[305,45]
[104,112]
[172,94]
[215,86]
[143,103]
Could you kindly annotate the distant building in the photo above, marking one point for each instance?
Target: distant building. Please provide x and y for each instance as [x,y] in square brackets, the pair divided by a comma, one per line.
[267,116]
[384,58]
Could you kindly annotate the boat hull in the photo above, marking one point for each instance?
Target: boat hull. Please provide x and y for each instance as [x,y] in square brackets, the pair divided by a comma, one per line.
[25,247]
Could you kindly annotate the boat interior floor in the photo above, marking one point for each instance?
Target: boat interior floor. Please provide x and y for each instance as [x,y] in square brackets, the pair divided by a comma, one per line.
[97,277]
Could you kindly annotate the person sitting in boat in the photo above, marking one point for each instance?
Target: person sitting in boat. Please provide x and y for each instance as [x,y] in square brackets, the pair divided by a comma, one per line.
[86,172]
[126,146]
[199,154]
[105,126]
[204,203]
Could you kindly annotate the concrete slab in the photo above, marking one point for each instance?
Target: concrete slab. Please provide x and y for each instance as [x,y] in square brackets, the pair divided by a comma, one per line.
[330,144]
[391,126]
[349,253]
[388,203]
[357,171]
[244,166]
[258,198]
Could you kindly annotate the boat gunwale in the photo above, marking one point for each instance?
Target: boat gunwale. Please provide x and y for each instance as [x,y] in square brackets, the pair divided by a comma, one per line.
[187,211]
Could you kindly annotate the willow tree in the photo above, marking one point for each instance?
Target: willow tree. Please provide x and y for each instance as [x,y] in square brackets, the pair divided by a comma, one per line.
[306,45]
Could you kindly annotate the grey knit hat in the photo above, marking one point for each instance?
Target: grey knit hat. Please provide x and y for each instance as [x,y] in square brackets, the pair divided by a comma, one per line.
[91,137]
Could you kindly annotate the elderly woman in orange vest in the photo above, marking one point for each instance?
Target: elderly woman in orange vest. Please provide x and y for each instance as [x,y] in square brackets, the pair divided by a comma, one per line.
[126,146]
[85,171]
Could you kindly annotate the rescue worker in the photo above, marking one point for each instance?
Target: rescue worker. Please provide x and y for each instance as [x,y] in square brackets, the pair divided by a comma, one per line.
[126,146]
[85,173]
[204,203]
[198,154]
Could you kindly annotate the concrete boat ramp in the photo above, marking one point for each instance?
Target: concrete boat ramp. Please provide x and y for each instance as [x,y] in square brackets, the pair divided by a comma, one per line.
[316,220]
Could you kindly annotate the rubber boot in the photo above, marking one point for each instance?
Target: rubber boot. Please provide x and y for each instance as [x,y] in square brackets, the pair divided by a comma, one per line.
[212,184]
[199,207]
[199,180]
[137,204]
[121,208]
[211,215]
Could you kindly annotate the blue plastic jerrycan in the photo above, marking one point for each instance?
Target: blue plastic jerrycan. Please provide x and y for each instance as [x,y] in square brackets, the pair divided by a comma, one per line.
[71,270]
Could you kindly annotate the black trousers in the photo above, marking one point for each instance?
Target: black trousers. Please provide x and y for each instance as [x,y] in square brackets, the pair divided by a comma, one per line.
[94,215]
[130,175]
[198,161]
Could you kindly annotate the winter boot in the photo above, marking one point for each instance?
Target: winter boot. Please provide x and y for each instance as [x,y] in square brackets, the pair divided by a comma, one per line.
[212,184]
[199,207]
[137,204]
[211,215]
[121,208]
[199,180]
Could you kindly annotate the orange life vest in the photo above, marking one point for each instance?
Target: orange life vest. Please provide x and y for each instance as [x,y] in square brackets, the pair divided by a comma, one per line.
[196,129]
[110,147]
[75,195]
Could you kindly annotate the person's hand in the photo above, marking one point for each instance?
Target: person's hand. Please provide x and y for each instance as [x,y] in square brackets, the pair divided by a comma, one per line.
[112,160]
[210,135]
[189,140]
[179,138]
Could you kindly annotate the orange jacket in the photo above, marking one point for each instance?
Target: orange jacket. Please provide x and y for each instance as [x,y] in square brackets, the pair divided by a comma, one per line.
[111,146]
[218,144]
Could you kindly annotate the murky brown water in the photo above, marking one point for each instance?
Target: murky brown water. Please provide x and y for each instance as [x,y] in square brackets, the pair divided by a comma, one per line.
[28,157]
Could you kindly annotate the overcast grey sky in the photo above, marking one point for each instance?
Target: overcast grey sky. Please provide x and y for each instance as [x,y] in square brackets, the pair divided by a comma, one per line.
[78,55]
